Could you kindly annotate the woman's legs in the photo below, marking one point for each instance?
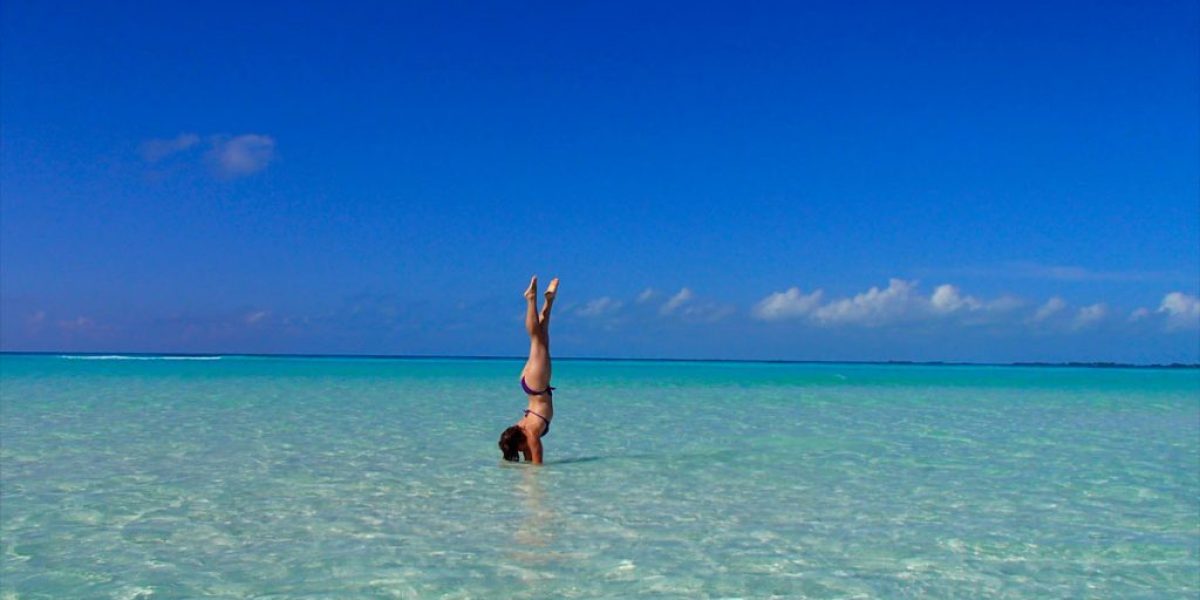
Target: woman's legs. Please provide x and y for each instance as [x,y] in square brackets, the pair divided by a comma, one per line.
[531,313]
[544,319]
[537,368]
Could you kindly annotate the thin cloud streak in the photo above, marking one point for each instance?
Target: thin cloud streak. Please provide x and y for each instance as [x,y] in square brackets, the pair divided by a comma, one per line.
[1063,273]
[156,150]
[676,301]
[599,307]
[228,156]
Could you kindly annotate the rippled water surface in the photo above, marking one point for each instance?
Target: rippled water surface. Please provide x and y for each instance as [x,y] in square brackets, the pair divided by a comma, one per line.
[352,478]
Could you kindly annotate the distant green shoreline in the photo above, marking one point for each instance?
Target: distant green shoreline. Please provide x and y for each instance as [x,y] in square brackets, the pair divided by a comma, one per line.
[1069,364]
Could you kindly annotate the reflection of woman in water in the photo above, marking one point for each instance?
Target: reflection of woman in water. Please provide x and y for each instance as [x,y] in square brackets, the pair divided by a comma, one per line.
[526,436]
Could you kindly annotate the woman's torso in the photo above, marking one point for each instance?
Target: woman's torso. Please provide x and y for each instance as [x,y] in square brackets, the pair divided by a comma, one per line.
[542,406]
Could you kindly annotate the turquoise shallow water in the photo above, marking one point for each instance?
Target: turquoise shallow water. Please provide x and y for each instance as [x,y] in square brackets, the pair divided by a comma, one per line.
[325,478]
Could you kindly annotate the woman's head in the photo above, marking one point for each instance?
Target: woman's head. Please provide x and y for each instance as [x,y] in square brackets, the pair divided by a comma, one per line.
[512,442]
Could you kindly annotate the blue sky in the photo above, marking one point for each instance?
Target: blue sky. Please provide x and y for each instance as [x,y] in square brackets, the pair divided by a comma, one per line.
[714,180]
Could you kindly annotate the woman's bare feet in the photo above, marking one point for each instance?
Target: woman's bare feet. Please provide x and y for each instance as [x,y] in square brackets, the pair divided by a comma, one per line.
[531,293]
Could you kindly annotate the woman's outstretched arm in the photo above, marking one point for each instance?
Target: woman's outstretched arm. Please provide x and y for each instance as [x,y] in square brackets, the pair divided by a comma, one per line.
[535,451]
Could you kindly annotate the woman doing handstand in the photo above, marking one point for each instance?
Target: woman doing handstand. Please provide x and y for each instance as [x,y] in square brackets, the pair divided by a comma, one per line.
[526,436]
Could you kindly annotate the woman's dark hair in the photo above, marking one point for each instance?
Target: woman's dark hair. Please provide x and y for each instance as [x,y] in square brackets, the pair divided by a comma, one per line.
[510,443]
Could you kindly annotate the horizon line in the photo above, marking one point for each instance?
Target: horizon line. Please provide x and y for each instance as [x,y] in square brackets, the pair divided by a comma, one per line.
[1053,364]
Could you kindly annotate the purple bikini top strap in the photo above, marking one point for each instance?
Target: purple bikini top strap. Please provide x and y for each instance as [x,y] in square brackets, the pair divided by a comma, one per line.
[530,412]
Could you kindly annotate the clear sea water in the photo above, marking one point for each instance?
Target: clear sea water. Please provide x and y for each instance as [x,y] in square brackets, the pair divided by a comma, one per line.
[251,477]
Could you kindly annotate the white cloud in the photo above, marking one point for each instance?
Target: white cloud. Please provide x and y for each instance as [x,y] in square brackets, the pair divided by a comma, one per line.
[687,307]
[647,295]
[946,298]
[1089,315]
[676,301]
[1052,307]
[599,307]
[899,301]
[786,305]
[241,155]
[230,156]
[1139,314]
[874,307]
[156,150]
[1182,310]
[257,316]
